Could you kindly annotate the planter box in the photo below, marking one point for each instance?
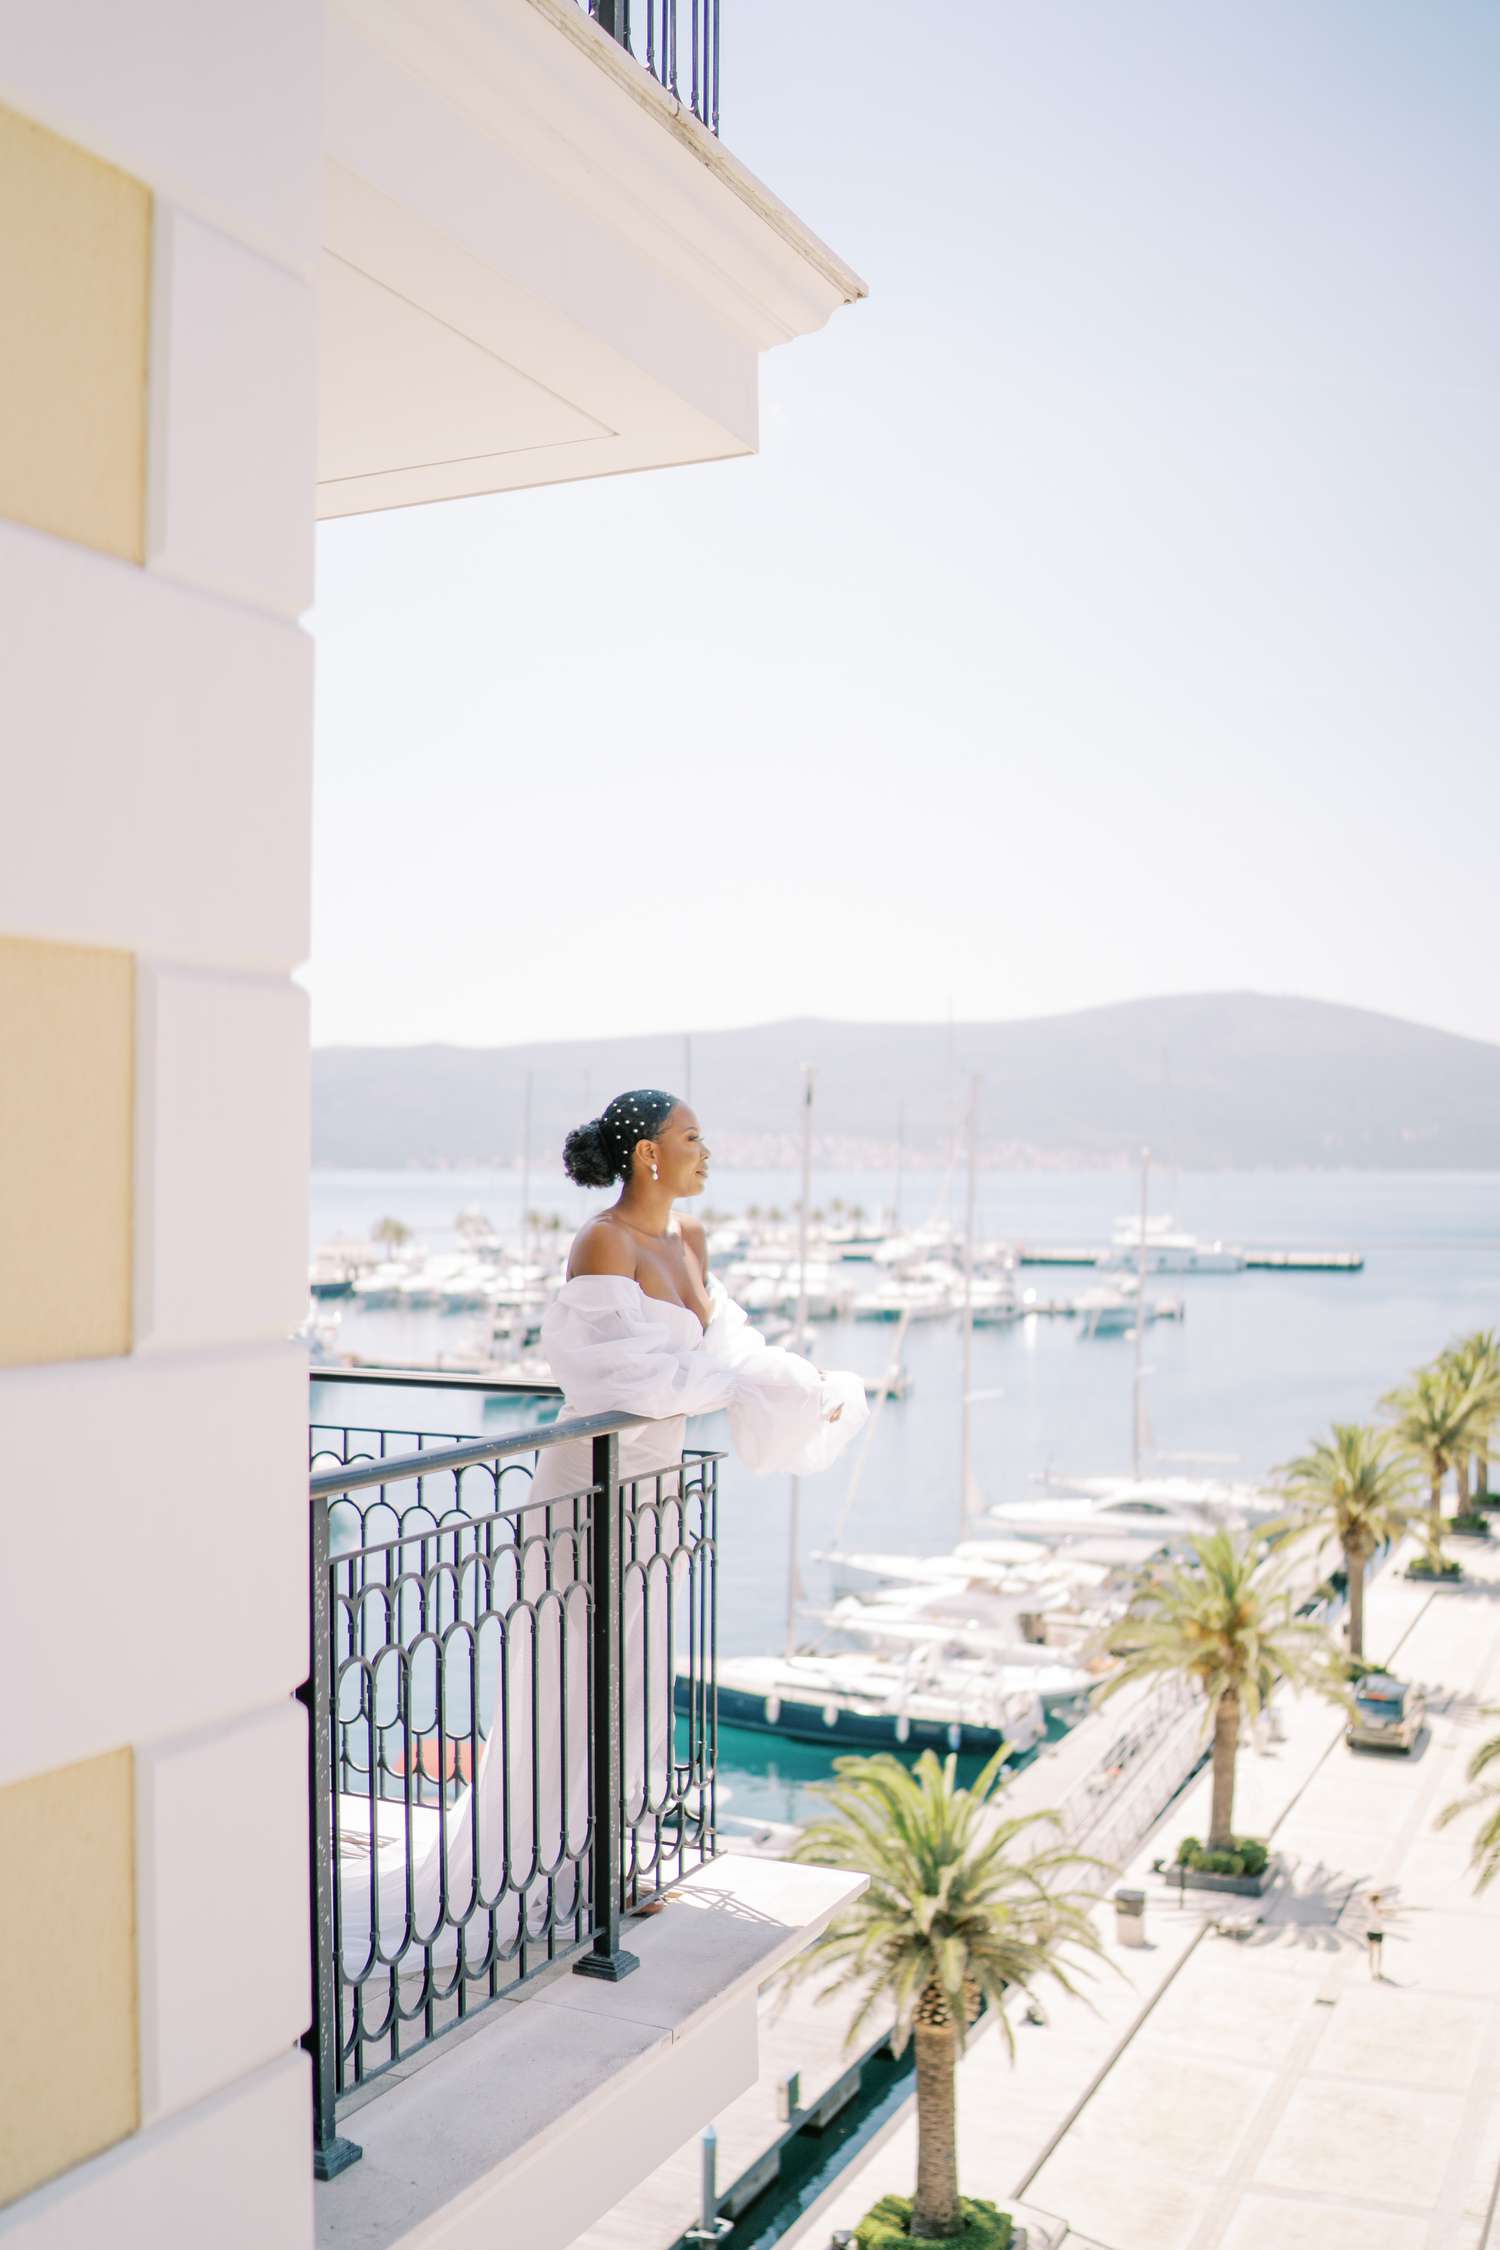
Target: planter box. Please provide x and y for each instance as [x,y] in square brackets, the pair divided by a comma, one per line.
[1242,1886]
[1424,1577]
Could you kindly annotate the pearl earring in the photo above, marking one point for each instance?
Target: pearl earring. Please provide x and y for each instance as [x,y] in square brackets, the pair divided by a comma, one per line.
[654,1173]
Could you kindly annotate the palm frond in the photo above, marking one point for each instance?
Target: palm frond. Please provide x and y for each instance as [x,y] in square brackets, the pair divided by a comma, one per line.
[957,1906]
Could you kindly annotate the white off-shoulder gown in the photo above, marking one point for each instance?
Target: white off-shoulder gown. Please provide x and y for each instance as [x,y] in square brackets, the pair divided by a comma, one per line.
[521,1830]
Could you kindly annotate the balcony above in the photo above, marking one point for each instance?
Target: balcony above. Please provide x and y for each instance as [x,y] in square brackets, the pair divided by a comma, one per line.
[538,264]
[530,2125]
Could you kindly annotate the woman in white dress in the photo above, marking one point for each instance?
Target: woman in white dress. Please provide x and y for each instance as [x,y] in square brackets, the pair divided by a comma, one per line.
[639,1327]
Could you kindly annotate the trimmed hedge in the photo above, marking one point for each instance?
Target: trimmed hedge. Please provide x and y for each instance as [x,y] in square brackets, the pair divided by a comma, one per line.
[1471,1523]
[1247,1856]
[1446,1569]
[887,2226]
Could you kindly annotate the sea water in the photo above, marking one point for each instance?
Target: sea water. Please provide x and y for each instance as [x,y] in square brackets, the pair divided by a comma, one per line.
[1260,1364]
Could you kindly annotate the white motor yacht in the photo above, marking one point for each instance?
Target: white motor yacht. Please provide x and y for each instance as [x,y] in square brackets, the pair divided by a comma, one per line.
[993,1301]
[1166,1249]
[1159,1511]
[930,1291]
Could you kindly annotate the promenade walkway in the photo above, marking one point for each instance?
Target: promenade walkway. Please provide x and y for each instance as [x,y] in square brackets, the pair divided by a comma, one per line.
[1226,2095]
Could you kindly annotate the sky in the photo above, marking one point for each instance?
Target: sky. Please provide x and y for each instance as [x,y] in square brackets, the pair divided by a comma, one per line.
[1110,610]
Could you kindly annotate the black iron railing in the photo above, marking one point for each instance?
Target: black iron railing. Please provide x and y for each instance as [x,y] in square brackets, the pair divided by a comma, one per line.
[673,50]
[496,1774]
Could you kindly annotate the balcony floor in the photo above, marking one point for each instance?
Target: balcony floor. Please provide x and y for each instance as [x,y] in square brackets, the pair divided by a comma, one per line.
[527,2126]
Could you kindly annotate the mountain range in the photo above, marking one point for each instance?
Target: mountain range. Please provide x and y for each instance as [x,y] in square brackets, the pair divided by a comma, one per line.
[1232,1079]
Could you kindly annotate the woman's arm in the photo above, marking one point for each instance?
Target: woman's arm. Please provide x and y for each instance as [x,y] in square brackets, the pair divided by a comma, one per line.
[613,1354]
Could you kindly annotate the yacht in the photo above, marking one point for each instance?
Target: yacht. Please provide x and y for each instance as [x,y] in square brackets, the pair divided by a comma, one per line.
[1158,1246]
[1159,1511]
[914,1701]
[381,1286]
[930,1292]
[993,1301]
[772,1285]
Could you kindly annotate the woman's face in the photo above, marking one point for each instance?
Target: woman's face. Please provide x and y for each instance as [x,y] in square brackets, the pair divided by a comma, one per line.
[681,1153]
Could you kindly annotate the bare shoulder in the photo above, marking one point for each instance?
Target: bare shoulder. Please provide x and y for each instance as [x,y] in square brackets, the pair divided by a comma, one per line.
[602,1247]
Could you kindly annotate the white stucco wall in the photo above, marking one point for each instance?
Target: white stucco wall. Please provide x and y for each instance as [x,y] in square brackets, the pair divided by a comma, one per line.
[157,747]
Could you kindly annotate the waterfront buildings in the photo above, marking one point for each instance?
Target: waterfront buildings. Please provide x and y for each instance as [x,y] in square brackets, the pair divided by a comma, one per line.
[259,265]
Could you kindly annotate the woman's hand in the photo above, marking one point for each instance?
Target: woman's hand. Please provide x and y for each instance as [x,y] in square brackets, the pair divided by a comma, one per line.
[838,1410]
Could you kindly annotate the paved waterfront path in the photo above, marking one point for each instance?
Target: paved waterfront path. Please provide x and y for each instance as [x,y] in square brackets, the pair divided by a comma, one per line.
[1228,2095]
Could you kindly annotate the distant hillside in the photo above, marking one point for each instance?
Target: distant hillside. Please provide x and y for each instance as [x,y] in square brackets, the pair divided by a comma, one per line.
[1218,1079]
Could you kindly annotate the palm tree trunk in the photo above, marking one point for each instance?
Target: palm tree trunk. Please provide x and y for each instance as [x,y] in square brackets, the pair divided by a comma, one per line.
[1226,1749]
[1435,1514]
[1354,1571]
[936,2209]
[1482,1468]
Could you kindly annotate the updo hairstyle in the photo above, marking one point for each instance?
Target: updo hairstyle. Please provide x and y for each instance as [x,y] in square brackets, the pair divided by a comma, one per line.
[599,1153]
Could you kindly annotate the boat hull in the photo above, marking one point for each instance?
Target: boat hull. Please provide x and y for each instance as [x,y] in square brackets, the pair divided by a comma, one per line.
[797,1720]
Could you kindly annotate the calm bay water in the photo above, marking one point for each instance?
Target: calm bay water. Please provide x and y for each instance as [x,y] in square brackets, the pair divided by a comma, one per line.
[1260,1363]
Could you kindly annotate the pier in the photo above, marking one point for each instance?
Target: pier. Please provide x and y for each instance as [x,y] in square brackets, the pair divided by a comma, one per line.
[1256,1261]
[1304,1261]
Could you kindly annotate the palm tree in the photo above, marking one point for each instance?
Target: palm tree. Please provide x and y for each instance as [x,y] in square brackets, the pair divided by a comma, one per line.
[1484,1796]
[1476,1360]
[1223,1620]
[391,1234]
[1432,1419]
[1355,1488]
[954,1915]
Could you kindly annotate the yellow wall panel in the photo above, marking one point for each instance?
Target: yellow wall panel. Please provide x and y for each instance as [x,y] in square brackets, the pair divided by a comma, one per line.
[75,286]
[67,1074]
[68,2074]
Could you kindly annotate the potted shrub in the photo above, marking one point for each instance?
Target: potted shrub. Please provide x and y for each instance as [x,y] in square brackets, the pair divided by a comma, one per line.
[1245,1866]
[888,2227]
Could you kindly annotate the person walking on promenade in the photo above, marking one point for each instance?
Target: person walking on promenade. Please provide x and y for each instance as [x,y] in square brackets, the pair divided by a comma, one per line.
[1376,1920]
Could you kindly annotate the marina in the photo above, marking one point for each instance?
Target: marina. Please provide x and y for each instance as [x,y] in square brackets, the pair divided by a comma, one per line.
[1231,1388]
[946,1595]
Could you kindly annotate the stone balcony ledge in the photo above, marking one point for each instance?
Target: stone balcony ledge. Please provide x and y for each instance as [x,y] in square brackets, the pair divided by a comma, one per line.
[526,2126]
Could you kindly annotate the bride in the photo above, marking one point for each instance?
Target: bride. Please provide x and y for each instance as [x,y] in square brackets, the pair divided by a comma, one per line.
[639,1327]
[642,1327]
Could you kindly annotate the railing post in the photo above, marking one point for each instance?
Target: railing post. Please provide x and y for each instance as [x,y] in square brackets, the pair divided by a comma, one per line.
[332,2154]
[613,16]
[606,1720]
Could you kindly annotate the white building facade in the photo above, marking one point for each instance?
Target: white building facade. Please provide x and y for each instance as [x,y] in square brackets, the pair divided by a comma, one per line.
[257,265]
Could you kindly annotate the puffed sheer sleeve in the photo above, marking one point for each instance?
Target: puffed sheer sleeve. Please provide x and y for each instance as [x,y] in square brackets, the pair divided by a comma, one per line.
[614,1353]
[612,1356]
[781,1410]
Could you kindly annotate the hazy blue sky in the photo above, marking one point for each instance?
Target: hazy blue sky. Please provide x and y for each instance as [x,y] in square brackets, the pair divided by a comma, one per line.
[1112,608]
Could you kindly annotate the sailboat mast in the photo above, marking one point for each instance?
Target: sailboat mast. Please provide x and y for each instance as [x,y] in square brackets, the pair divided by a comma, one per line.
[794,1509]
[526,1172]
[966,1447]
[1138,1399]
[900,1161]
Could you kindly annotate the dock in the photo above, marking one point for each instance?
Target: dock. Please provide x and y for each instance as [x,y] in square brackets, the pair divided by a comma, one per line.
[1304,1261]
[1256,1261]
